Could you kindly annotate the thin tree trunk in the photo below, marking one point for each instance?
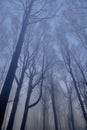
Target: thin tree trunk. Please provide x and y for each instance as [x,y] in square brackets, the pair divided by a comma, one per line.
[47,119]
[54,110]
[26,105]
[72,116]
[15,103]
[79,97]
[55,116]
[12,69]
[44,117]
[9,79]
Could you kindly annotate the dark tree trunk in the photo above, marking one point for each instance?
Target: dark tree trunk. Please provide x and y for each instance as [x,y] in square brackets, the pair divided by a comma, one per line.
[26,106]
[15,103]
[79,96]
[47,119]
[55,115]
[44,117]
[12,69]
[10,77]
[24,119]
[72,116]
[54,108]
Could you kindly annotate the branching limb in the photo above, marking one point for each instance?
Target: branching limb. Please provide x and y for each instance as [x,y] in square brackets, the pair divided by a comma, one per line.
[32,105]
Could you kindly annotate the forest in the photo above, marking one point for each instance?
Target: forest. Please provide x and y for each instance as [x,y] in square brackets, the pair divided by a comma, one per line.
[43,65]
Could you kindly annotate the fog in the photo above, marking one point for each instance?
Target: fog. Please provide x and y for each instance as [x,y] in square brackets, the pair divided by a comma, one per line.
[43,65]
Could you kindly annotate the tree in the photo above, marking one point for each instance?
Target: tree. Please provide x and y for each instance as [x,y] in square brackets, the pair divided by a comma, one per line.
[82,81]
[68,63]
[17,95]
[13,66]
[70,98]
[53,99]
[12,69]
[31,85]
[45,108]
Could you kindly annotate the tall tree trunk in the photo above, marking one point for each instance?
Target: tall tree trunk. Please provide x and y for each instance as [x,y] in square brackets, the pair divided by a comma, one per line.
[15,103]
[54,109]
[44,117]
[55,116]
[26,105]
[12,69]
[72,116]
[47,119]
[79,96]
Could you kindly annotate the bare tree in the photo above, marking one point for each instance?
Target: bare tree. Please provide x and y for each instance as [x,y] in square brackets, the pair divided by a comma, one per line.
[53,99]
[68,63]
[70,98]
[12,69]
[45,108]
[82,81]
[31,85]
[17,94]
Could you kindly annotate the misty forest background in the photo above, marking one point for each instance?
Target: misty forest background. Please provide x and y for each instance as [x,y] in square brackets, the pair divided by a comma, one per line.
[43,65]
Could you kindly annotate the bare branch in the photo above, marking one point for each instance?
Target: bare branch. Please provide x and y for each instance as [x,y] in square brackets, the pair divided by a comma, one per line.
[32,105]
